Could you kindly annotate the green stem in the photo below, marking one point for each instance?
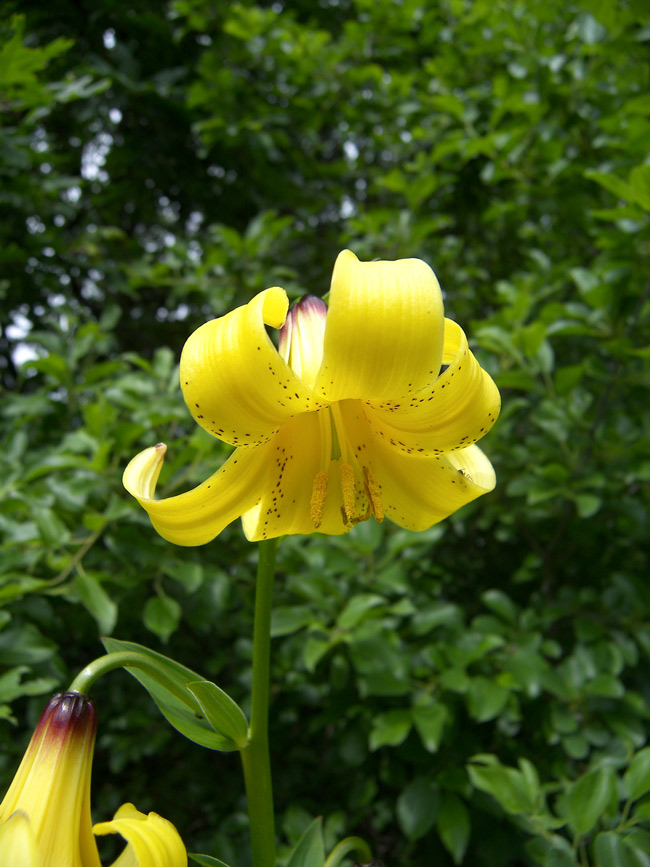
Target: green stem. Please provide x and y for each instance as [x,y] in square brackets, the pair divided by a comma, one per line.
[94,670]
[255,758]
[350,844]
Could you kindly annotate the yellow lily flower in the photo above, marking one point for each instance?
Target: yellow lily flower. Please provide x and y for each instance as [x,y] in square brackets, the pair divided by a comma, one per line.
[369,408]
[45,815]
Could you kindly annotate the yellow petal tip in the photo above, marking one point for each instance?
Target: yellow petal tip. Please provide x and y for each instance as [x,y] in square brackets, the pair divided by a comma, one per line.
[141,475]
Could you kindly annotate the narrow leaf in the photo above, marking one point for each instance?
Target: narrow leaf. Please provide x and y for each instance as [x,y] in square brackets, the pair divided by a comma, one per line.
[310,849]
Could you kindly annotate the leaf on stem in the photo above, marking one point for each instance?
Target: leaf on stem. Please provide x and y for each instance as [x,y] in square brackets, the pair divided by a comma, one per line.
[167,681]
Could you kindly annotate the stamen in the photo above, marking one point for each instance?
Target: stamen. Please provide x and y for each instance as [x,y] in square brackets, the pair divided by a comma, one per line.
[340,443]
[373,492]
[347,489]
[318,494]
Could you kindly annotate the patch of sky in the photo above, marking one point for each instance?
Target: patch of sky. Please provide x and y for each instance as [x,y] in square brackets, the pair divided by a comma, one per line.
[72,194]
[34,224]
[93,157]
[347,207]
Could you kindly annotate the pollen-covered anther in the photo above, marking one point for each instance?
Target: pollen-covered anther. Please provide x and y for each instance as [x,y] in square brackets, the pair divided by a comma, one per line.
[318,494]
[373,492]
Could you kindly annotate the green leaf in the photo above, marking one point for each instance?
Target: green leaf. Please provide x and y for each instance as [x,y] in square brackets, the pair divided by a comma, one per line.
[530,778]
[507,785]
[638,841]
[97,601]
[417,808]
[187,573]
[610,850]
[206,860]
[486,699]
[16,584]
[168,689]
[357,608]
[12,685]
[497,601]
[314,650]
[588,505]
[453,825]
[614,184]
[639,180]
[289,619]
[588,798]
[557,857]
[436,614]
[51,528]
[636,779]
[161,615]
[390,729]
[24,645]
[429,722]
[310,849]
[223,714]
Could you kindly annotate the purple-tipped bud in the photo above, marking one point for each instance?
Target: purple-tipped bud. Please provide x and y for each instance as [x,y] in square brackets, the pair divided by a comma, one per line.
[52,785]
[301,337]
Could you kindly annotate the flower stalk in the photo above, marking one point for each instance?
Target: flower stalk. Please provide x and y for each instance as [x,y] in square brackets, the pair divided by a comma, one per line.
[98,667]
[256,760]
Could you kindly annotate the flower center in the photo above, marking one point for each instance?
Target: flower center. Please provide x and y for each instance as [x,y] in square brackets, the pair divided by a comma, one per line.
[355,486]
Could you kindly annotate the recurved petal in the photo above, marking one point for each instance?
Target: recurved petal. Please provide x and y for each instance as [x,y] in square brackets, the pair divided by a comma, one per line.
[384,329]
[151,840]
[17,843]
[234,382]
[417,491]
[454,411]
[197,516]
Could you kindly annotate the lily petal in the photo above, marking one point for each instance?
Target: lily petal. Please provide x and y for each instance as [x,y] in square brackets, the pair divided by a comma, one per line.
[197,516]
[455,411]
[415,491]
[151,840]
[384,329]
[234,382]
[17,843]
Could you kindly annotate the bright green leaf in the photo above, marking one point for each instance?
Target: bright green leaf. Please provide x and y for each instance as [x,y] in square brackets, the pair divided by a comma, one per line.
[588,798]
[223,714]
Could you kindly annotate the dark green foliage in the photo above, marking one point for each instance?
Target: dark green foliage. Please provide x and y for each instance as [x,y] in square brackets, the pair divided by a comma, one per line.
[475,694]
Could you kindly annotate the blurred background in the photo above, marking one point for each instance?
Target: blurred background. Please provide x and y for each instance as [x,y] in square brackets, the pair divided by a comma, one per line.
[162,162]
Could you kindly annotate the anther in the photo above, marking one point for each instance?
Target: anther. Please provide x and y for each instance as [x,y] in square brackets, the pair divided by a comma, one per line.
[373,493]
[318,494]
